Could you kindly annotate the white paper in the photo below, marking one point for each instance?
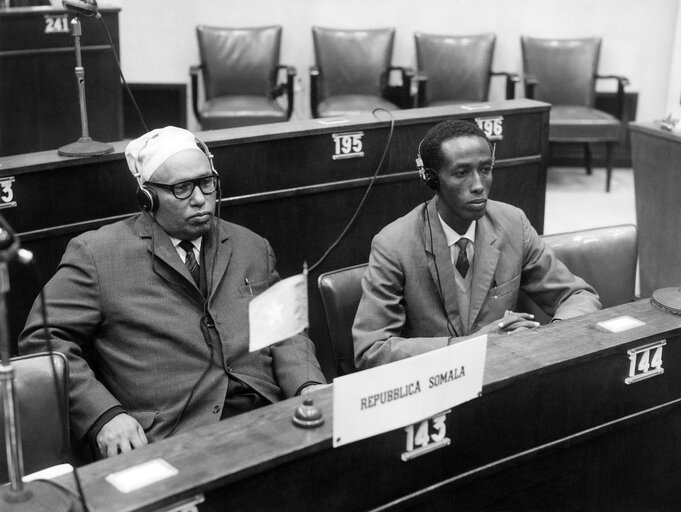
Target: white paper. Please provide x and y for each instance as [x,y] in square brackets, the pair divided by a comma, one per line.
[139,476]
[621,323]
[402,393]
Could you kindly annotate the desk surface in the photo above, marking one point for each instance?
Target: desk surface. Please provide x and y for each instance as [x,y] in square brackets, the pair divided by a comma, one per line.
[554,388]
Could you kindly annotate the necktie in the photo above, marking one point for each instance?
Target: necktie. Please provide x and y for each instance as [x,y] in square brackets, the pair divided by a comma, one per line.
[190,261]
[462,260]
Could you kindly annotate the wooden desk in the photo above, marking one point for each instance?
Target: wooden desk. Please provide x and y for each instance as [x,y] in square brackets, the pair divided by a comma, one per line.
[286,182]
[656,156]
[556,428]
[40,106]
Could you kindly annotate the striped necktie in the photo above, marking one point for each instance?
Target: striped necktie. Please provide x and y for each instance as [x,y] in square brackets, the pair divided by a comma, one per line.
[190,261]
[462,263]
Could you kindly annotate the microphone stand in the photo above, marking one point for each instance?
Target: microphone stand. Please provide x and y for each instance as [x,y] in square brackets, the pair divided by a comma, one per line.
[84,146]
[20,496]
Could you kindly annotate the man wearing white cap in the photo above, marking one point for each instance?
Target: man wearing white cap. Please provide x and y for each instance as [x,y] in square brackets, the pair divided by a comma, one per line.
[152,311]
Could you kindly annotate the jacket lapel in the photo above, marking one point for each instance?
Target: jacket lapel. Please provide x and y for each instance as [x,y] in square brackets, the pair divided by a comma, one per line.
[217,253]
[440,266]
[169,265]
[484,265]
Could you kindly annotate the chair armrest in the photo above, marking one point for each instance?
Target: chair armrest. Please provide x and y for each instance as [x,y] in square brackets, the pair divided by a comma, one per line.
[314,91]
[622,82]
[511,80]
[287,86]
[530,86]
[194,72]
[421,84]
[401,94]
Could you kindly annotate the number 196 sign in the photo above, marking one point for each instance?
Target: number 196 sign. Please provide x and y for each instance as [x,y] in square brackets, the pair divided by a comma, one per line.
[492,126]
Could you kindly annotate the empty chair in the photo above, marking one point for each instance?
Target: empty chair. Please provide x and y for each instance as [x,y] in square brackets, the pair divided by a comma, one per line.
[457,69]
[352,73]
[241,77]
[563,72]
[341,291]
[604,257]
[44,434]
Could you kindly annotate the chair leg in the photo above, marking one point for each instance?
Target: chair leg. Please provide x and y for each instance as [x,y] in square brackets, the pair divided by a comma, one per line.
[587,158]
[609,146]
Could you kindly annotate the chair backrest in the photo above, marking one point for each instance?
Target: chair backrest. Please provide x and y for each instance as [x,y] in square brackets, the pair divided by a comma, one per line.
[604,257]
[458,68]
[565,69]
[341,291]
[239,60]
[44,439]
[352,61]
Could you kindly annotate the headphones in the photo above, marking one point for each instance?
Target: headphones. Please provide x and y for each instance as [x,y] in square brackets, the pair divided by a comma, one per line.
[428,176]
[147,197]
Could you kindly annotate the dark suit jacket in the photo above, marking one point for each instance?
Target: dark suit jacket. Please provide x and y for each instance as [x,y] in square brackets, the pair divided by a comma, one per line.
[409,288]
[137,318]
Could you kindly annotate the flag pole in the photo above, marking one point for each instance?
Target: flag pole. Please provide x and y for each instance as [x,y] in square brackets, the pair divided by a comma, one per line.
[307,414]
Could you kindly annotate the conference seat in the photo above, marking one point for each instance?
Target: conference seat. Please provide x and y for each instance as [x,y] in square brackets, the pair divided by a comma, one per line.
[563,72]
[44,433]
[242,77]
[352,73]
[604,257]
[455,69]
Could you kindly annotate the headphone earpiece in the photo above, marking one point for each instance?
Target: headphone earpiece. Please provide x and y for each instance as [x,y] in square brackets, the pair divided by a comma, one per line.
[147,199]
[428,176]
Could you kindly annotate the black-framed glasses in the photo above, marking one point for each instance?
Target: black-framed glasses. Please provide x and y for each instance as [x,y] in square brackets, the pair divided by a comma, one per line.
[184,189]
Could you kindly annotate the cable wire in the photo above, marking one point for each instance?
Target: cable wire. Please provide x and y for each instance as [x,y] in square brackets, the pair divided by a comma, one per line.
[366,192]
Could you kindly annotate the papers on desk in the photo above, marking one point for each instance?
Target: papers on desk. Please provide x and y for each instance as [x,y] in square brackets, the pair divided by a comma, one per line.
[620,324]
[402,393]
[139,476]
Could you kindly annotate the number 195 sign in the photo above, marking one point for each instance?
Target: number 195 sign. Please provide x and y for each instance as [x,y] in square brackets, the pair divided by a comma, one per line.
[347,145]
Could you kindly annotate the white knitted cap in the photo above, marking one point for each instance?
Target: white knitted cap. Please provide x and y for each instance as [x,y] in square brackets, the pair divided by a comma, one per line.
[148,152]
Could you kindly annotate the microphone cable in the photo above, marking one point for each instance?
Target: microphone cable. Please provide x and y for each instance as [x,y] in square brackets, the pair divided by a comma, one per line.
[366,192]
[120,70]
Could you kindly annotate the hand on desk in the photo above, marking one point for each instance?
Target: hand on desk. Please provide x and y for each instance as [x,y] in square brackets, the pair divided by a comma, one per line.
[511,322]
[313,387]
[120,435]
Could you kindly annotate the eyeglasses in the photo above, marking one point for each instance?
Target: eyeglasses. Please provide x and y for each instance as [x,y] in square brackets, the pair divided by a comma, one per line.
[184,189]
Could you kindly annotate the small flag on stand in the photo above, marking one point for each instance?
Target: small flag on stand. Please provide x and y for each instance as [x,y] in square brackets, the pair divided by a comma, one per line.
[279,312]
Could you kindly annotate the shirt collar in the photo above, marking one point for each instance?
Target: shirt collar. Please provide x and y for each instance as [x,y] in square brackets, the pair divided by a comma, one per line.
[196,242]
[452,236]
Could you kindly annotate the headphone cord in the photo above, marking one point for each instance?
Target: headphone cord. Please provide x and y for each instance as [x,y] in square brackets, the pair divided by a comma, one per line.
[366,192]
[450,327]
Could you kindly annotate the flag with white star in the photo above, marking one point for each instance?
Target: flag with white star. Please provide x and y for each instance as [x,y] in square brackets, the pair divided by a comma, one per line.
[278,313]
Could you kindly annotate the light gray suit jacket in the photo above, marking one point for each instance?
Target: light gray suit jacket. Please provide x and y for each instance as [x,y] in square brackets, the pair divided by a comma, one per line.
[409,288]
[124,302]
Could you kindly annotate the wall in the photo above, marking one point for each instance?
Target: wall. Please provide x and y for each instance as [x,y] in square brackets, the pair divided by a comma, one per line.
[158,43]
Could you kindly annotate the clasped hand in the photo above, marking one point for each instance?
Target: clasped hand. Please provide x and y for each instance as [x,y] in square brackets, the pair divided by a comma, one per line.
[511,322]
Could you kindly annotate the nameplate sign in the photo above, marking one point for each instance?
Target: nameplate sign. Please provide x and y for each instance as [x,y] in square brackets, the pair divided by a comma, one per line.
[405,392]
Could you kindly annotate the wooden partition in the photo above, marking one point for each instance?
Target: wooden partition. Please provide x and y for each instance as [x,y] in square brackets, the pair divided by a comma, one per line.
[656,156]
[562,424]
[295,183]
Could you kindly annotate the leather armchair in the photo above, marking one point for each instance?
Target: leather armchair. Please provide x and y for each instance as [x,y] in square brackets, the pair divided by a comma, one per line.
[44,435]
[352,73]
[242,77]
[563,72]
[457,69]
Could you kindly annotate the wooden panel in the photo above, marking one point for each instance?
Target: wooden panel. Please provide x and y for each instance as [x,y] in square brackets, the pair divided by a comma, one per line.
[281,181]
[556,428]
[656,161]
[39,87]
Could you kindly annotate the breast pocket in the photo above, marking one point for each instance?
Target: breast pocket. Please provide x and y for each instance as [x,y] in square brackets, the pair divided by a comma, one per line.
[252,289]
[499,291]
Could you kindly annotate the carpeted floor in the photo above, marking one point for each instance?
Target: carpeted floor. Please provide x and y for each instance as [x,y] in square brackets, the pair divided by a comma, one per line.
[575,200]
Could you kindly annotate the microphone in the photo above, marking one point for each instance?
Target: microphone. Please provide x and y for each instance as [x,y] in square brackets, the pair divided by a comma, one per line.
[84,7]
[9,245]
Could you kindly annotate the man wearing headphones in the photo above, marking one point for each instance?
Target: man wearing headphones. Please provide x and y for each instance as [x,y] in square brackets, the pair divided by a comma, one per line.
[152,311]
[453,267]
